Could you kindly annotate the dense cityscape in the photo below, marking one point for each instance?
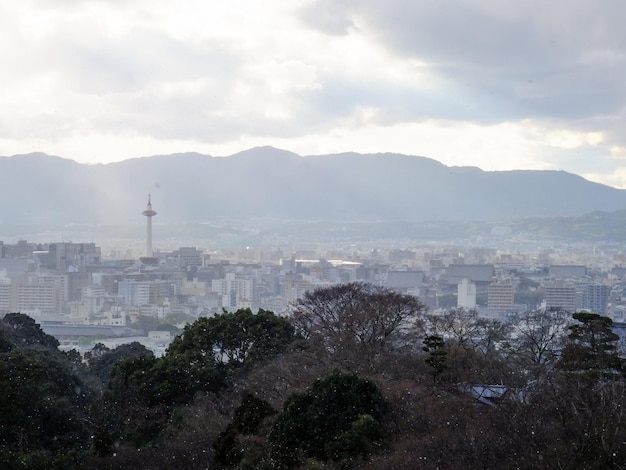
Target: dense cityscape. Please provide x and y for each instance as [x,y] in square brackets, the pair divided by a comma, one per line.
[348,354]
[150,331]
[81,297]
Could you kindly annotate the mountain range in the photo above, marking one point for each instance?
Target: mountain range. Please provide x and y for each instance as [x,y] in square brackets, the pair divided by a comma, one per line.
[273,184]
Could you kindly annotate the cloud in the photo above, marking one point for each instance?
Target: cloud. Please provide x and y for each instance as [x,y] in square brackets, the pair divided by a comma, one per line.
[518,84]
[327,16]
[556,65]
[558,59]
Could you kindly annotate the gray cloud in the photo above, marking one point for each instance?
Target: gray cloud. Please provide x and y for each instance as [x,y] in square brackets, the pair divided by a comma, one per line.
[540,66]
[327,16]
[561,59]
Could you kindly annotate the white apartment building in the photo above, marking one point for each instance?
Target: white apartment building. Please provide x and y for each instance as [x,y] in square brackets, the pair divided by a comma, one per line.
[5,292]
[5,298]
[236,292]
[94,298]
[466,294]
[133,292]
[38,297]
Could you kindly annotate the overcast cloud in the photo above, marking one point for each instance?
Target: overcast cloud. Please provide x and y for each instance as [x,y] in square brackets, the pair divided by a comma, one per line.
[498,85]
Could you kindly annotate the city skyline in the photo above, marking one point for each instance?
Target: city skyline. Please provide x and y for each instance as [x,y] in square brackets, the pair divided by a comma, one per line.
[515,86]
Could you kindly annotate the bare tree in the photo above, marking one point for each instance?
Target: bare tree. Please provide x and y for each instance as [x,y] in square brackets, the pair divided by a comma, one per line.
[474,345]
[466,329]
[537,339]
[356,322]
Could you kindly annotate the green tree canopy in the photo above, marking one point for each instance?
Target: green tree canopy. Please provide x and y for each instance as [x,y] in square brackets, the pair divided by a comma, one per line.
[591,345]
[434,345]
[45,409]
[235,339]
[19,330]
[229,450]
[129,413]
[144,391]
[101,359]
[336,419]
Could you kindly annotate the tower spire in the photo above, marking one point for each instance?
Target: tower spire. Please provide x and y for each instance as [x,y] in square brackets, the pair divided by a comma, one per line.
[149,213]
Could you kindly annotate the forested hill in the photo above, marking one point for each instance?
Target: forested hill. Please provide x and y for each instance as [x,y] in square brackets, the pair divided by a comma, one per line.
[356,377]
[274,184]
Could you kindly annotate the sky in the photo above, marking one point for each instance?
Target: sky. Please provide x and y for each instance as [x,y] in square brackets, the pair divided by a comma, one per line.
[521,84]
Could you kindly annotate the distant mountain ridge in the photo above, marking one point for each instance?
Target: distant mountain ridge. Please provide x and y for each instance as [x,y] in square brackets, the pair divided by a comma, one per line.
[270,183]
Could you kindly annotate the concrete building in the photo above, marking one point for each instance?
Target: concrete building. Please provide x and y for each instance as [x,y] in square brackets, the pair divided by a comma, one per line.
[559,295]
[236,292]
[18,268]
[567,271]
[38,297]
[60,281]
[6,297]
[466,295]
[595,298]
[479,274]
[94,298]
[194,288]
[500,295]
[22,249]
[405,281]
[69,257]
[188,256]
[114,317]
[71,336]
[134,292]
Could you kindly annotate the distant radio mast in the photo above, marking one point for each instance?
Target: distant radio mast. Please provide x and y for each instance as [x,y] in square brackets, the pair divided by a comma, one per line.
[149,213]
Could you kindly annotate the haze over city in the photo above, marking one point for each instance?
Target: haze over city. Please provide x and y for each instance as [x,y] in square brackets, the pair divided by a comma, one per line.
[520,85]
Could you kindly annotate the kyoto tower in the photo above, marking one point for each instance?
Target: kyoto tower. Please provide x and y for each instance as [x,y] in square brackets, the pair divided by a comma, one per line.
[149,213]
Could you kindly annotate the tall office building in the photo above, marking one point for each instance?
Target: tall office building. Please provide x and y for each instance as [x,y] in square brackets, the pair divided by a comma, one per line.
[560,295]
[500,295]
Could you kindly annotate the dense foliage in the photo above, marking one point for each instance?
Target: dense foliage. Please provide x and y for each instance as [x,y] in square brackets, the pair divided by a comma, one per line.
[336,419]
[359,376]
[46,413]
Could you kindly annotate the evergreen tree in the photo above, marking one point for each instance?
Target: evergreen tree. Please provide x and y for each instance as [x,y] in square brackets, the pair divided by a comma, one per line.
[591,345]
[435,347]
[337,419]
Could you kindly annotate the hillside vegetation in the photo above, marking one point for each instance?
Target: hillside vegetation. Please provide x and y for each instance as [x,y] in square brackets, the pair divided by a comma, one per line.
[358,377]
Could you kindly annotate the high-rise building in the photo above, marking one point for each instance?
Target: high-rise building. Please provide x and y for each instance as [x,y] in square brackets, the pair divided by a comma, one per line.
[38,297]
[236,292]
[500,295]
[68,257]
[559,295]
[5,292]
[466,294]
[135,292]
[595,298]
[188,256]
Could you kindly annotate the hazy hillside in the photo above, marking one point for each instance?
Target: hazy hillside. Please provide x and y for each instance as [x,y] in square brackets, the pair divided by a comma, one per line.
[275,184]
